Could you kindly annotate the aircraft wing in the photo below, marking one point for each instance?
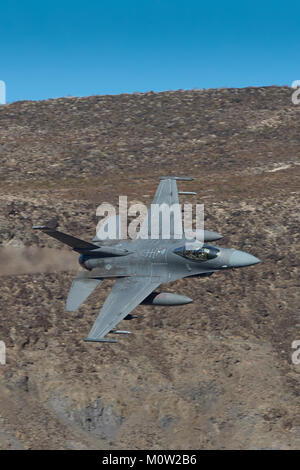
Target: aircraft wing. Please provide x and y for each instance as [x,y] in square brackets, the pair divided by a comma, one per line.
[166,192]
[166,195]
[126,294]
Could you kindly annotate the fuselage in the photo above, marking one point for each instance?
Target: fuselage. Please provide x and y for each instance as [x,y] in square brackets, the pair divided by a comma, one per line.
[166,260]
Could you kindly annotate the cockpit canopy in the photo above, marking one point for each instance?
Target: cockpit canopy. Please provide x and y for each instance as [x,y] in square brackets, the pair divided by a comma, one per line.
[205,253]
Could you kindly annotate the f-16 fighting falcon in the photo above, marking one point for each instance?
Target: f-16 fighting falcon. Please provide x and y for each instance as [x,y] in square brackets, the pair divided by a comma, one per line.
[140,265]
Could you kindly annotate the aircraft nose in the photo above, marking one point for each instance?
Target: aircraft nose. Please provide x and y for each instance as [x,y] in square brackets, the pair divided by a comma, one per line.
[239,259]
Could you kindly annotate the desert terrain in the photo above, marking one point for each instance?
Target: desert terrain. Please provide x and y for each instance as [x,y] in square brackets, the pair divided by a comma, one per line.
[214,374]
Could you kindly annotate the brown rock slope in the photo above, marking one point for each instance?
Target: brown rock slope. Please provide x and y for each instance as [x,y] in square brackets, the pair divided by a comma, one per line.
[214,374]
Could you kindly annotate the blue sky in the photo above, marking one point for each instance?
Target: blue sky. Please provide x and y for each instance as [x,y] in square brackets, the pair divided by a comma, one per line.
[58,48]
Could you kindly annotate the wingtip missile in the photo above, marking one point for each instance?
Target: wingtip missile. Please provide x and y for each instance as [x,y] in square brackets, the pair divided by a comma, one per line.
[178,178]
[187,193]
[101,340]
[121,332]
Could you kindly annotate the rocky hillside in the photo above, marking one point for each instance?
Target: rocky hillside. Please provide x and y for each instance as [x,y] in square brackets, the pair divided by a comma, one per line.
[213,374]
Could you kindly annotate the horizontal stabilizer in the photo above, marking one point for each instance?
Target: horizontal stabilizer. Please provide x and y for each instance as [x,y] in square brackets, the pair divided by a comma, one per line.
[78,245]
[80,290]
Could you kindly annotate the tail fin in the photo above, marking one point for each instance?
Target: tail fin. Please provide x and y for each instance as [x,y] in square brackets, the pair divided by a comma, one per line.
[80,290]
[78,245]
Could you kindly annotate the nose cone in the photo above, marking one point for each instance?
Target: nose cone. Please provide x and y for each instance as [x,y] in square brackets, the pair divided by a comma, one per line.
[239,259]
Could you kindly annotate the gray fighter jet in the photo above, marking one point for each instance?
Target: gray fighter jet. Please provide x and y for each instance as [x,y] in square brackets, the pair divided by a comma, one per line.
[139,266]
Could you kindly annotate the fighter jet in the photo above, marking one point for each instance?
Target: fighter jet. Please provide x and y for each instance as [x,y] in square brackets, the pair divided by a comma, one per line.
[139,266]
